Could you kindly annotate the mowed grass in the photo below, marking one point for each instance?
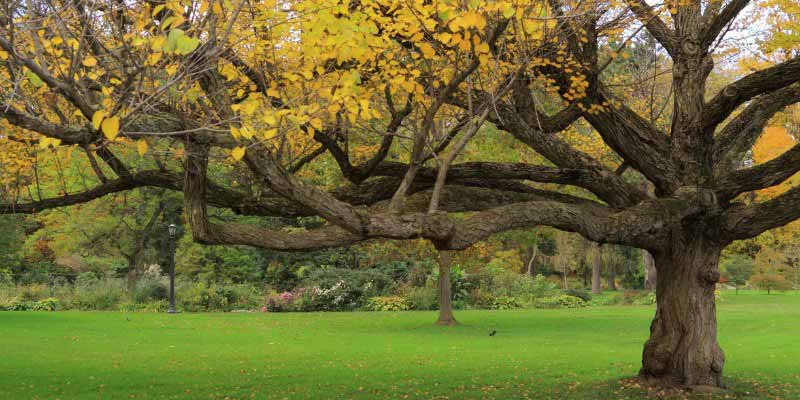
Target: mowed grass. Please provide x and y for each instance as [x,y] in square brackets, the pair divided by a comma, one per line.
[541,354]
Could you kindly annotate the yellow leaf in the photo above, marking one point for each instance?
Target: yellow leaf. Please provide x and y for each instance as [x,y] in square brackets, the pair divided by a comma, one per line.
[238,153]
[317,124]
[110,127]
[246,132]
[97,118]
[141,147]
[90,61]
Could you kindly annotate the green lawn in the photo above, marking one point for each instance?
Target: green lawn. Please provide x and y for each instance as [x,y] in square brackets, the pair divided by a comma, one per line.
[542,354]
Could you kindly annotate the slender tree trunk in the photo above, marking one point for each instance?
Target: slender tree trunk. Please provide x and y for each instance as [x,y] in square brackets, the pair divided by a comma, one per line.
[531,266]
[683,348]
[650,274]
[596,289]
[445,290]
[612,278]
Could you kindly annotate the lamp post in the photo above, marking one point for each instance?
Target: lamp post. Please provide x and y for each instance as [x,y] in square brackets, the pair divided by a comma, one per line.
[173,229]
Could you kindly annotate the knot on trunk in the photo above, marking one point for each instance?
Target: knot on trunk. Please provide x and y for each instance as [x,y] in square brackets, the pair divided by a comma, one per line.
[709,277]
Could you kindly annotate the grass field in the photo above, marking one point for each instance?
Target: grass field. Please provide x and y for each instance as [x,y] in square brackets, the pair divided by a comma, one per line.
[541,354]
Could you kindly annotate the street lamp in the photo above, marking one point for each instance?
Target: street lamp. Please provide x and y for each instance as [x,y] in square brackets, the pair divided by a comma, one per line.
[173,229]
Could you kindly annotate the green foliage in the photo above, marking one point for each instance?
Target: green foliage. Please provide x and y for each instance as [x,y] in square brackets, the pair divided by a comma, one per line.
[628,297]
[579,293]
[737,268]
[560,301]
[149,290]
[202,296]
[504,303]
[387,303]
[48,304]
[422,298]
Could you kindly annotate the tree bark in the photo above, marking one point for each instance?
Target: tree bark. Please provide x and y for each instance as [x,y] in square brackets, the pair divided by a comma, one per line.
[445,290]
[612,278]
[683,348]
[650,273]
[596,288]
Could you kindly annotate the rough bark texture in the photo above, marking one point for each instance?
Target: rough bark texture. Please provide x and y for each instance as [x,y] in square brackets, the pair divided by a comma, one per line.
[683,348]
[445,290]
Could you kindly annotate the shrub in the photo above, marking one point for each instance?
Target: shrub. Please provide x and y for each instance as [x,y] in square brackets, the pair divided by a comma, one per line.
[390,303]
[149,290]
[480,298]
[34,292]
[48,304]
[645,299]
[280,302]
[560,301]
[98,294]
[504,303]
[579,293]
[422,298]
[21,305]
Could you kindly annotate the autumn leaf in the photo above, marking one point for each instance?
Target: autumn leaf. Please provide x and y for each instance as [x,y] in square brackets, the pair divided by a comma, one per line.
[110,127]
[238,153]
[97,118]
[141,147]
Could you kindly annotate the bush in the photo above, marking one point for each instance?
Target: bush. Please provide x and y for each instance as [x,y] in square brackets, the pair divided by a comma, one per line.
[630,297]
[390,303]
[560,301]
[149,290]
[48,304]
[21,305]
[98,294]
[280,302]
[504,303]
[645,299]
[422,298]
[579,293]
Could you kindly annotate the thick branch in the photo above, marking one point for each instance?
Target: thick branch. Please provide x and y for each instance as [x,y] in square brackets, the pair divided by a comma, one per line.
[744,222]
[761,176]
[755,84]
[741,133]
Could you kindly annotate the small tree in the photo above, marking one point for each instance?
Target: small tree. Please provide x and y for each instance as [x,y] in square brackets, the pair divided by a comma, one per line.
[737,269]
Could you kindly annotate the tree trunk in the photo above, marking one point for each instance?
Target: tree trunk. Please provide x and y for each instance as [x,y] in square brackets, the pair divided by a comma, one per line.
[445,290]
[683,348]
[132,274]
[531,266]
[650,273]
[596,289]
[612,278]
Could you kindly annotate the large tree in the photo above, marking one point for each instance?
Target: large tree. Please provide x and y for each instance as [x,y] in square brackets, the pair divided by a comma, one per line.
[392,93]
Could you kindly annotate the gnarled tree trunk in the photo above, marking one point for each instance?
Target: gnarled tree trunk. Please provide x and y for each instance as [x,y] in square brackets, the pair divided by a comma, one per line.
[445,290]
[683,348]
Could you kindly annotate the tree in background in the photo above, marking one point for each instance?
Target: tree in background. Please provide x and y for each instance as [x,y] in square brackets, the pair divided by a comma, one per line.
[737,269]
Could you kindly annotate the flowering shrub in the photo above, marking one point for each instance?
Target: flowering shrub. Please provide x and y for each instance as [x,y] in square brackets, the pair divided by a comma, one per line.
[279,302]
